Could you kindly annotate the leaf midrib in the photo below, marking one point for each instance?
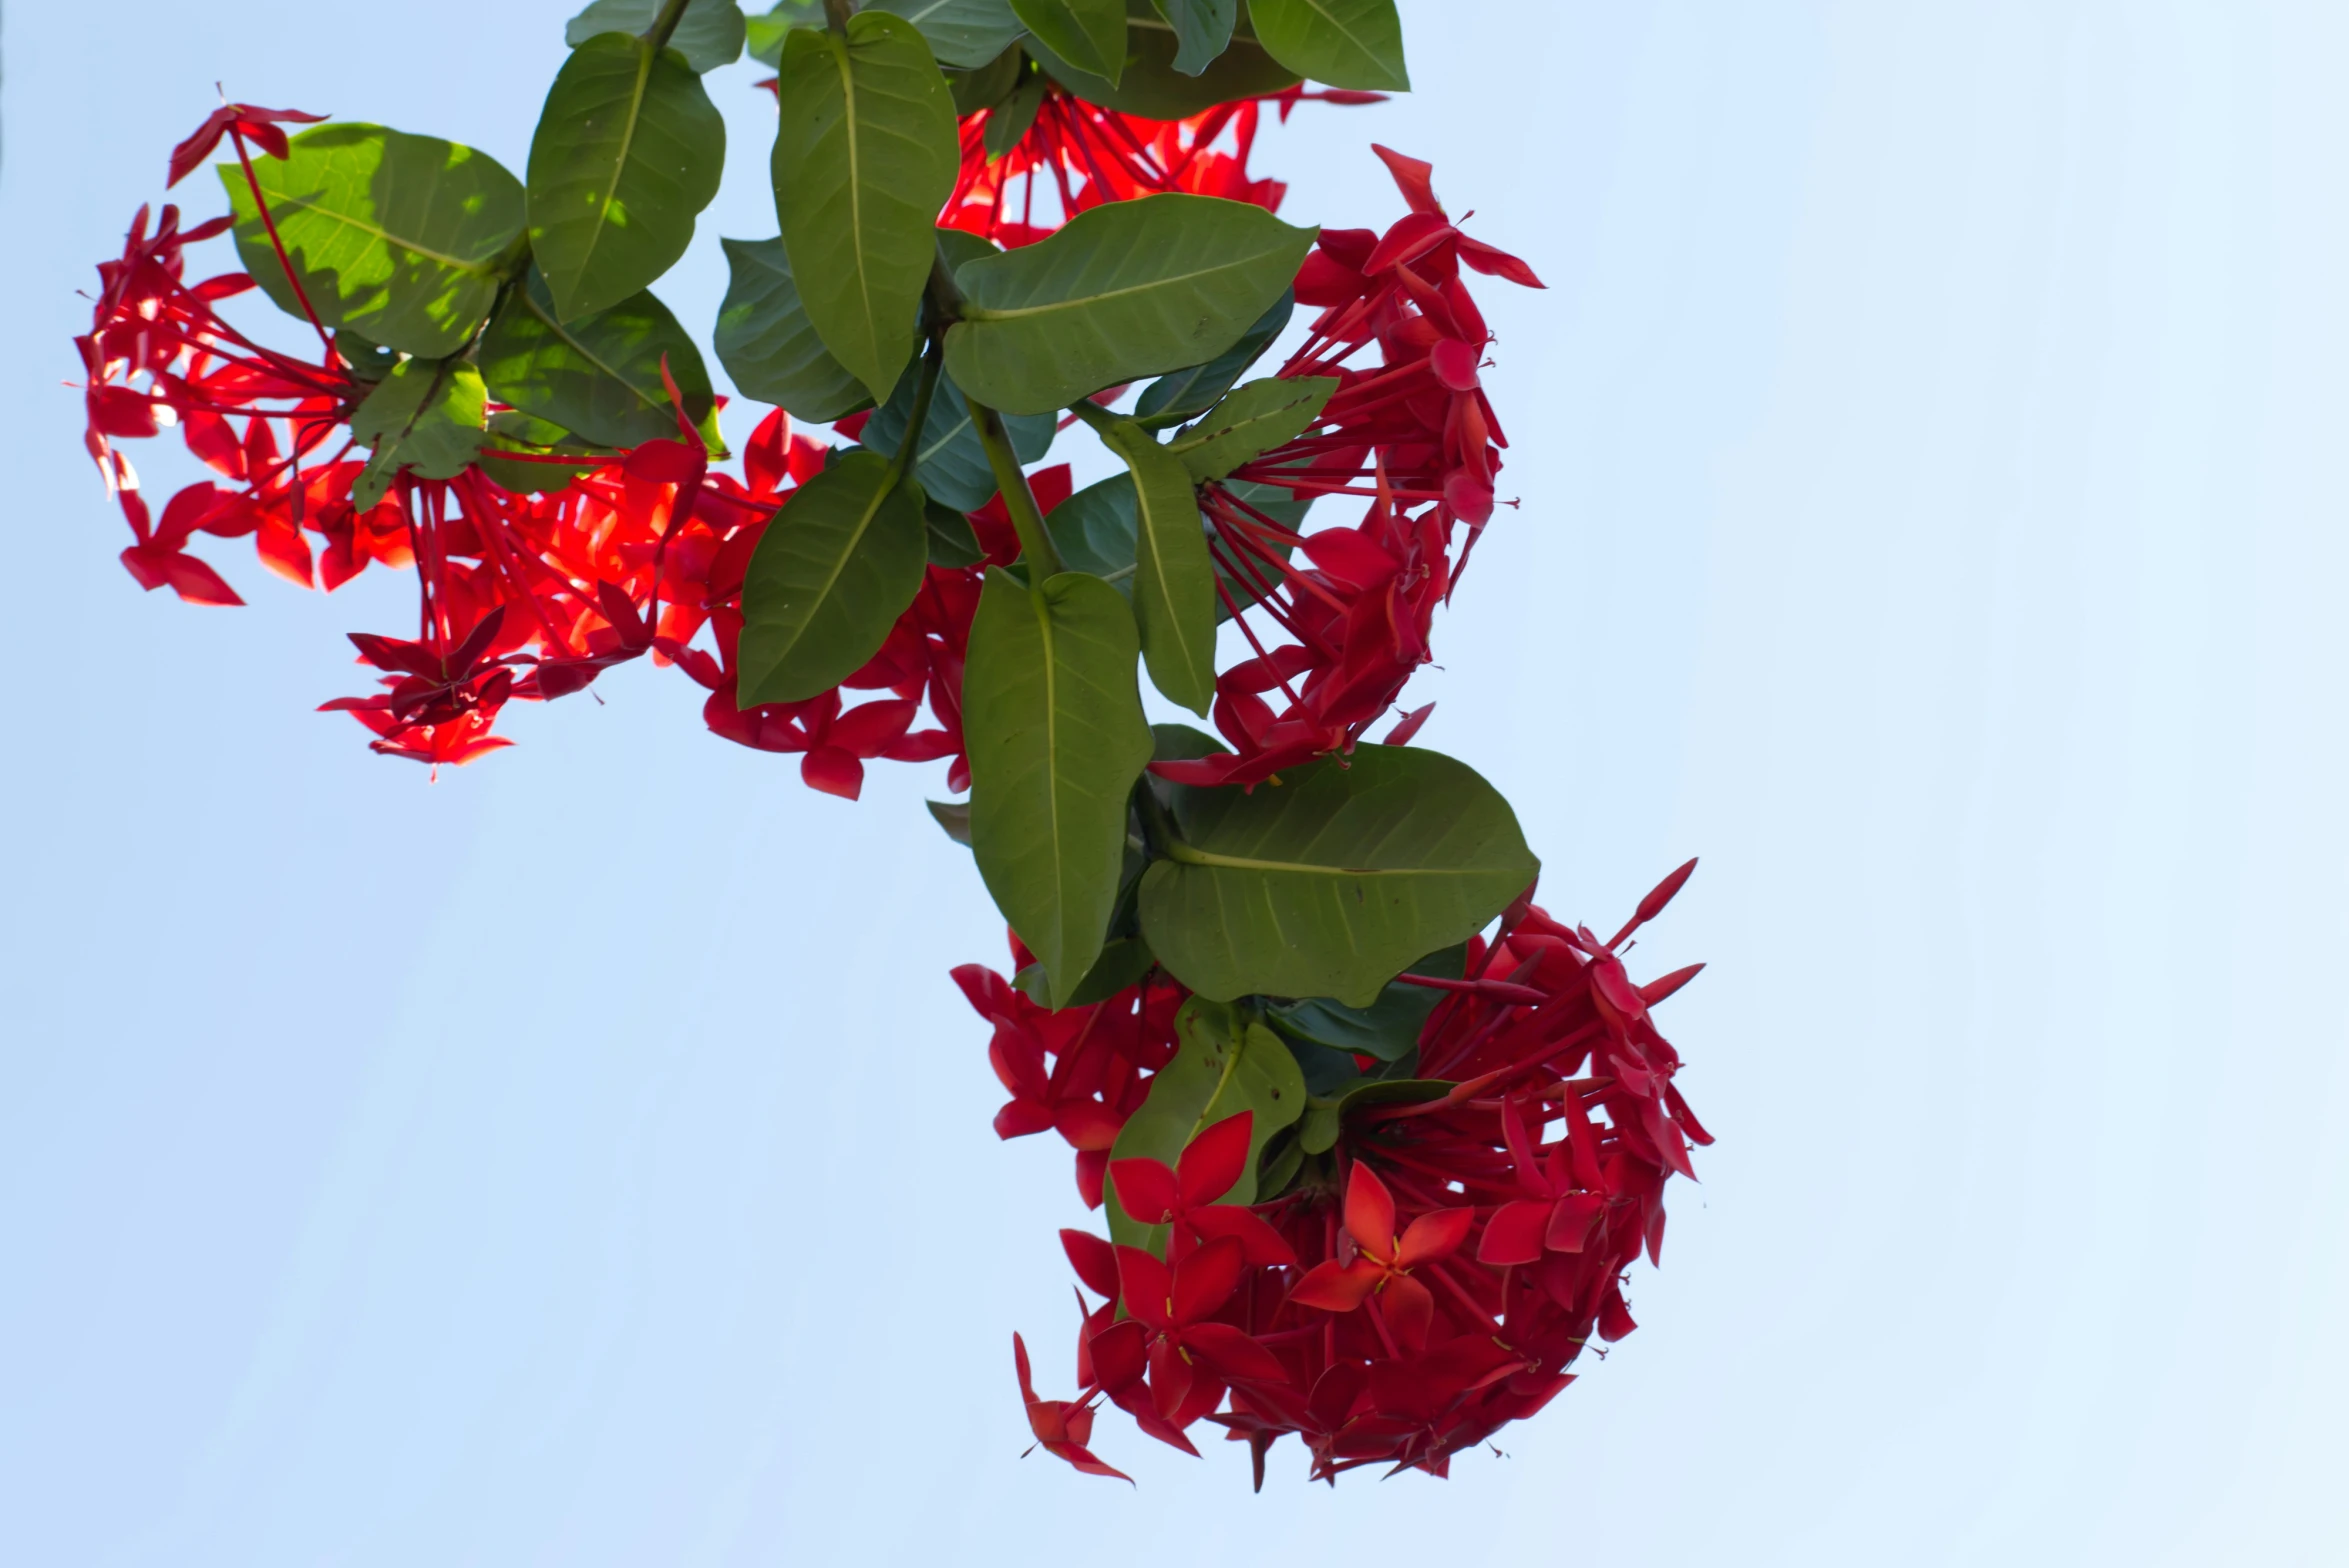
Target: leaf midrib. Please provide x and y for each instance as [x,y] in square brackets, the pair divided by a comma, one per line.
[603,212]
[585,352]
[473,268]
[976,312]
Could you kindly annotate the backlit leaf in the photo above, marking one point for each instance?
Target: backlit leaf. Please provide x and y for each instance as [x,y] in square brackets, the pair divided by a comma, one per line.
[865,155]
[1173,398]
[1203,30]
[599,376]
[1125,290]
[627,151]
[1174,579]
[1330,881]
[831,575]
[1053,720]
[426,417]
[1250,422]
[963,34]
[1151,86]
[401,238]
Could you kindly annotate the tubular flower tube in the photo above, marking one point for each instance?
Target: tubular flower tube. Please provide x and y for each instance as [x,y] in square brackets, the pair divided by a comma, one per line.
[1430,1276]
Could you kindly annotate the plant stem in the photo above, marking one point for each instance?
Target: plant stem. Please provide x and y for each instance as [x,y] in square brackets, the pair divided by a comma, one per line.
[1026,517]
[836,16]
[1094,415]
[665,24]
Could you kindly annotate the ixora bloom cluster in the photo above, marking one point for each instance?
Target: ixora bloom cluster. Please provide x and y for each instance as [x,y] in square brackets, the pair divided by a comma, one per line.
[1375,1138]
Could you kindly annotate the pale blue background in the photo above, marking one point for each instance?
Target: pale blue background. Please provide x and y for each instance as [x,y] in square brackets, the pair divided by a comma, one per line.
[1936,516]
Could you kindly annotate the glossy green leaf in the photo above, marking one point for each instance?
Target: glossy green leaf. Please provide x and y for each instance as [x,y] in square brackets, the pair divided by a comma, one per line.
[599,376]
[963,34]
[1280,1169]
[1053,719]
[952,463]
[1174,578]
[1122,963]
[1326,1118]
[627,151]
[985,86]
[1329,882]
[426,417]
[1343,43]
[1173,398]
[1203,30]
[768,345]
[1098,530]
[1089,34]
[831,575]
[1223,1065]
[953,542]
[865,155]
[1151,85]
[1009,122]
[1388,1028]
[1125,290]
[709,34]
[401,238]
[1252,421]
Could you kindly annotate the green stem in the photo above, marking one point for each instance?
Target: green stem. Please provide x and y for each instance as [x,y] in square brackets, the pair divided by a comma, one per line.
[1093,414]
[836,16]
[909,446]
[665,24]
[1026,516]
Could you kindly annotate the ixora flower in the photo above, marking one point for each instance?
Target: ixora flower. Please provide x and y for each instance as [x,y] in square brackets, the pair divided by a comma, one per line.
[1373,1140]
[1438,1253]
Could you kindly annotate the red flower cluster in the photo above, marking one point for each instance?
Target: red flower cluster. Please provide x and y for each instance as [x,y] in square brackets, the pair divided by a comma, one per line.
[1414,432]
[1430,1278]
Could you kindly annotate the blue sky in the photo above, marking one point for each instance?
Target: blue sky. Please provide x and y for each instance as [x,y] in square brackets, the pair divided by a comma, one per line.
[1933,517]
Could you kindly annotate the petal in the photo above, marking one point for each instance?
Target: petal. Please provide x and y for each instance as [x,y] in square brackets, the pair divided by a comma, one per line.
[1120,1352]
[1513,1235]
[1082,1457]
[1414,177]
[1571,1220]
[1233,1354]
[1144,1285]
[1615,1318]
[1094,1260]
[1212,1162]
[1436,1235]
[1019,1359]
[1170,1379]
[1337,1287]
[1410,1311]
[1205,1280]
[1370,1213]
[1146,1189]
[1262,1245]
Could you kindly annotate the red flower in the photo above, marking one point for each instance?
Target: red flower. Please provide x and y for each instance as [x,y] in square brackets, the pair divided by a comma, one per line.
[1185,1198]
[1384,1260]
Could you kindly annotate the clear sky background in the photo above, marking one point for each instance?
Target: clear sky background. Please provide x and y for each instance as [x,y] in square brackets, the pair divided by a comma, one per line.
[1935,516]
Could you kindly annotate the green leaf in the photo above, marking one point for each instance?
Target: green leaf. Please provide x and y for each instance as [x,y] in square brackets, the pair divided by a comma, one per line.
[963,34]
[1151,86]
[402,238]
[426,417]
[768,345]
[1053,720]
[1252,421]
[835,569]
[1203,30]
[709,34]
[952,463]
[1325,1119]
[988,85]
[1098,530]
[515,431]
[865,155]
[1171,399]
[1089,34]
[599,376]
[369,362]
[953,542]
[954,816]
[1122,963]
[1182,743]
[767,32]
[1388,1028]
[1174,578]
[1009,122]
[1343,43]
[1125,290]
[627,151]
[1330,881]
[1223,1065]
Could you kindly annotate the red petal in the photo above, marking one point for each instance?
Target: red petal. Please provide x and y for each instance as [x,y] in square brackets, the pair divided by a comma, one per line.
[1234,1356]
[1370,1213]
[1436,1235]
[1145,1286]
[1409,725]
[1170,1379]
[1119,1352]
[1094,1260]
[1205,1280]
[834,771]
[1259,1242]
[1514,1235]
[1414,177]
[1146,1189]
[1497,263]
[1212,1163]
[1410,1311]
[1615,1320]
[1088,1124]
[1571,1220]
[1337,1287]
[1092,1165]
[1455,364]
